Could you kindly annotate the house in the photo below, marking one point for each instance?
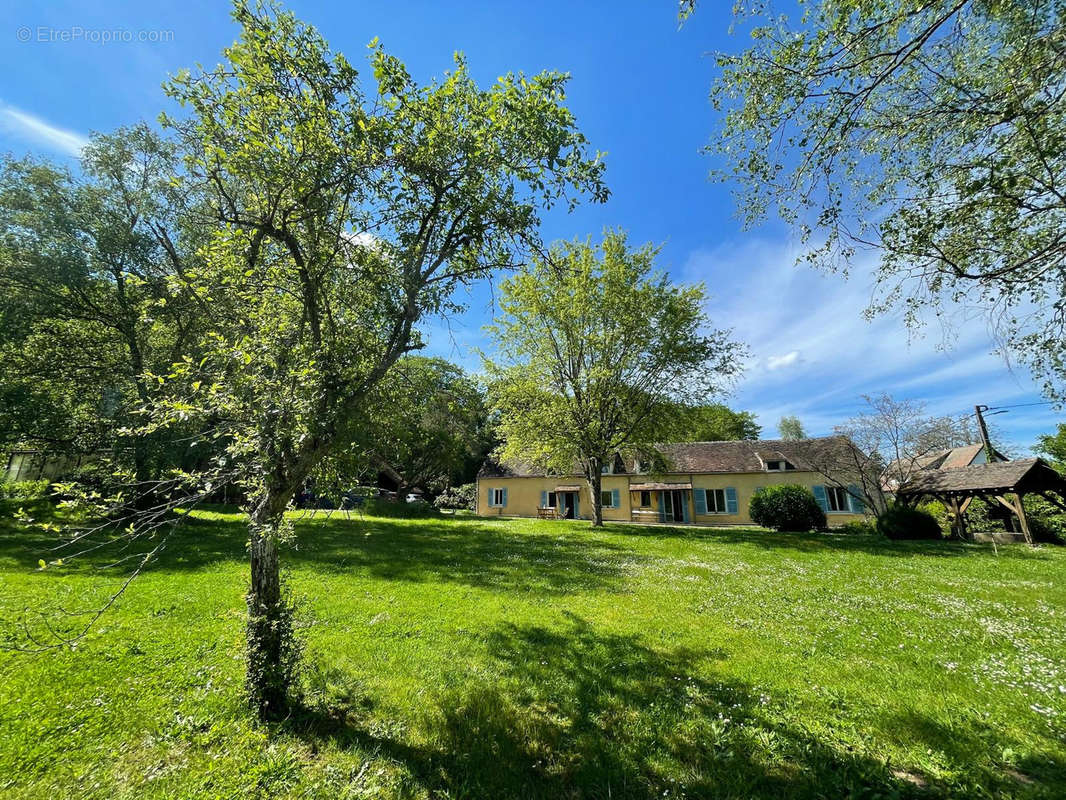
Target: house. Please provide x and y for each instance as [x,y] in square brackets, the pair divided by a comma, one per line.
[700,483]
[968,455]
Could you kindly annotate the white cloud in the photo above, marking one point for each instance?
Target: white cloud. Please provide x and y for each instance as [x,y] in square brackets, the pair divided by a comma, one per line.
[33,129]
[787,360]
[814,354]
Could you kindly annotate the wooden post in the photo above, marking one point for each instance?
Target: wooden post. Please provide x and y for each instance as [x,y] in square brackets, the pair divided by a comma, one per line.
[1021,518]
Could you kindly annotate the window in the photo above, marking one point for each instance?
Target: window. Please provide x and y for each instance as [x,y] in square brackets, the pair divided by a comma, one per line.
[716,501]
[607,469]
[497,498]
[645,499]
[778,466]
[836,498]
[551,499]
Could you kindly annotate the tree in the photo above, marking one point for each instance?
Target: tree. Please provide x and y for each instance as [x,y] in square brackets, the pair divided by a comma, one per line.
[336,223]
[889,441]
[86,308]
[1053,446]
[597,350]
[791,428]
[930,132]
[430,425]
[714,422]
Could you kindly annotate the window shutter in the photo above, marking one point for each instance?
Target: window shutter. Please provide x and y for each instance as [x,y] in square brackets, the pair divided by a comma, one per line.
[544,499]
[504,504]
[700,496]
[662,508]
[490,497]
[819,495]
[759,489]
[616,500]
[855,499]
[731,504]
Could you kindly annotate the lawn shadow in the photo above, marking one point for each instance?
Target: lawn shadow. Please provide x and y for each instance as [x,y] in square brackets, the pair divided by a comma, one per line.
[824,542]
[581,712]
[467,551]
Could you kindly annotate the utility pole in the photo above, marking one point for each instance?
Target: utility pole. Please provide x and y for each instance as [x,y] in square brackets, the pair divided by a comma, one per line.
[989,452]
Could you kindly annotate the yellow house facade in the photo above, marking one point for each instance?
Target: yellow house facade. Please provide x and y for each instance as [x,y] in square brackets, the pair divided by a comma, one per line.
[699,483]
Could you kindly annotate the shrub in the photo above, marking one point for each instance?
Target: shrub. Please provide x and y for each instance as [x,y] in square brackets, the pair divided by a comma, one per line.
[458,497]
[382,507]
[858,527]
[903,522]
[787,508]
[24,490]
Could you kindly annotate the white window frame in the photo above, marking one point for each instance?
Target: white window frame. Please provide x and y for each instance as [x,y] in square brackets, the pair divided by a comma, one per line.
[609,502]
[837,493]
[713,495]
[496,497]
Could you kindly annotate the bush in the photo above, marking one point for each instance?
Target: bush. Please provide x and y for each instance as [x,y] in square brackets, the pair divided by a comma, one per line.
[24,490]
[787,508]
[903,522]
[858,527]
[458,497]
[396,509]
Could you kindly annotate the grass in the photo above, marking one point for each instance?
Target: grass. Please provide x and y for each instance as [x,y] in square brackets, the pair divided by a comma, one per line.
[457,657]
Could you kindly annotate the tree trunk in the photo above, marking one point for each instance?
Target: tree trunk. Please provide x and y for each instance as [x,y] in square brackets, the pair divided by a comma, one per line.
[271,649]
[595,479]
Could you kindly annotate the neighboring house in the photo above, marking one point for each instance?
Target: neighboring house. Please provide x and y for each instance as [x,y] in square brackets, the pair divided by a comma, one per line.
[968,455]
[702,483]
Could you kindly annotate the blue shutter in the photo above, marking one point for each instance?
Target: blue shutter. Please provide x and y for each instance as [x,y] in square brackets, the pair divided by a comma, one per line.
[544,499]
[731,504]
[684,508]
[759,489]
[662,508]
[700,496]
[504,504]
[855,499]
[819,495]
[577,505]
[616,500]
[490,497]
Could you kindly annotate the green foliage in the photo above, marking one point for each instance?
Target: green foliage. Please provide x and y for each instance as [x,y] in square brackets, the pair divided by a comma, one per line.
[24,490]
[791,428]
[787,508]
[458,497]
[598,348]
[1053,447]
[398,509]
[930,131]
[857,527]
[429,424]
[85,305]
[714,422]
[904,522]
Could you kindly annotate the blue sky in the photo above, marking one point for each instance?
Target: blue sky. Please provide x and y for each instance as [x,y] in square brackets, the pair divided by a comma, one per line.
[639,89]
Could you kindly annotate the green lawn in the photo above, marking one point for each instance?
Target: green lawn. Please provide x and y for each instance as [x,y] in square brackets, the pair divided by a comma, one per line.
[459,657]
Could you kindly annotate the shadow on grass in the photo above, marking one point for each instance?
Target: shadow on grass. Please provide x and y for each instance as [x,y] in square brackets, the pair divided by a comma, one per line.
[466,551]
[586,713]
[814,542]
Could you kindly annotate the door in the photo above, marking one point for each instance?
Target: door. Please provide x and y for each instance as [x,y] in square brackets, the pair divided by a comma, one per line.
[677,501]
[569,505]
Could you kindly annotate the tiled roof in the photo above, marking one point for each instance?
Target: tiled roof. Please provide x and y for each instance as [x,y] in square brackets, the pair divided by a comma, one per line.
[709,457]
[998,476]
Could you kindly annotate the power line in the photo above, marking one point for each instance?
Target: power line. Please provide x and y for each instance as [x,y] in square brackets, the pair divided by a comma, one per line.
[1023,405]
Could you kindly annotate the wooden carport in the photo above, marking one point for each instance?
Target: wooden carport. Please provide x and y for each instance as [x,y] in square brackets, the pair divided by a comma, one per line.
[1005,482]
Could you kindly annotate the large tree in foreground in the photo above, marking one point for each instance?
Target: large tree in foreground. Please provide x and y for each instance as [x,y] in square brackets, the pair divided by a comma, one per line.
[933,132]
[339,220]
[597,349]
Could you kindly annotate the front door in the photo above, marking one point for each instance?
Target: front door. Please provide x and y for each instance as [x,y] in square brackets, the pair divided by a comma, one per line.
[568,506]
[677,501]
